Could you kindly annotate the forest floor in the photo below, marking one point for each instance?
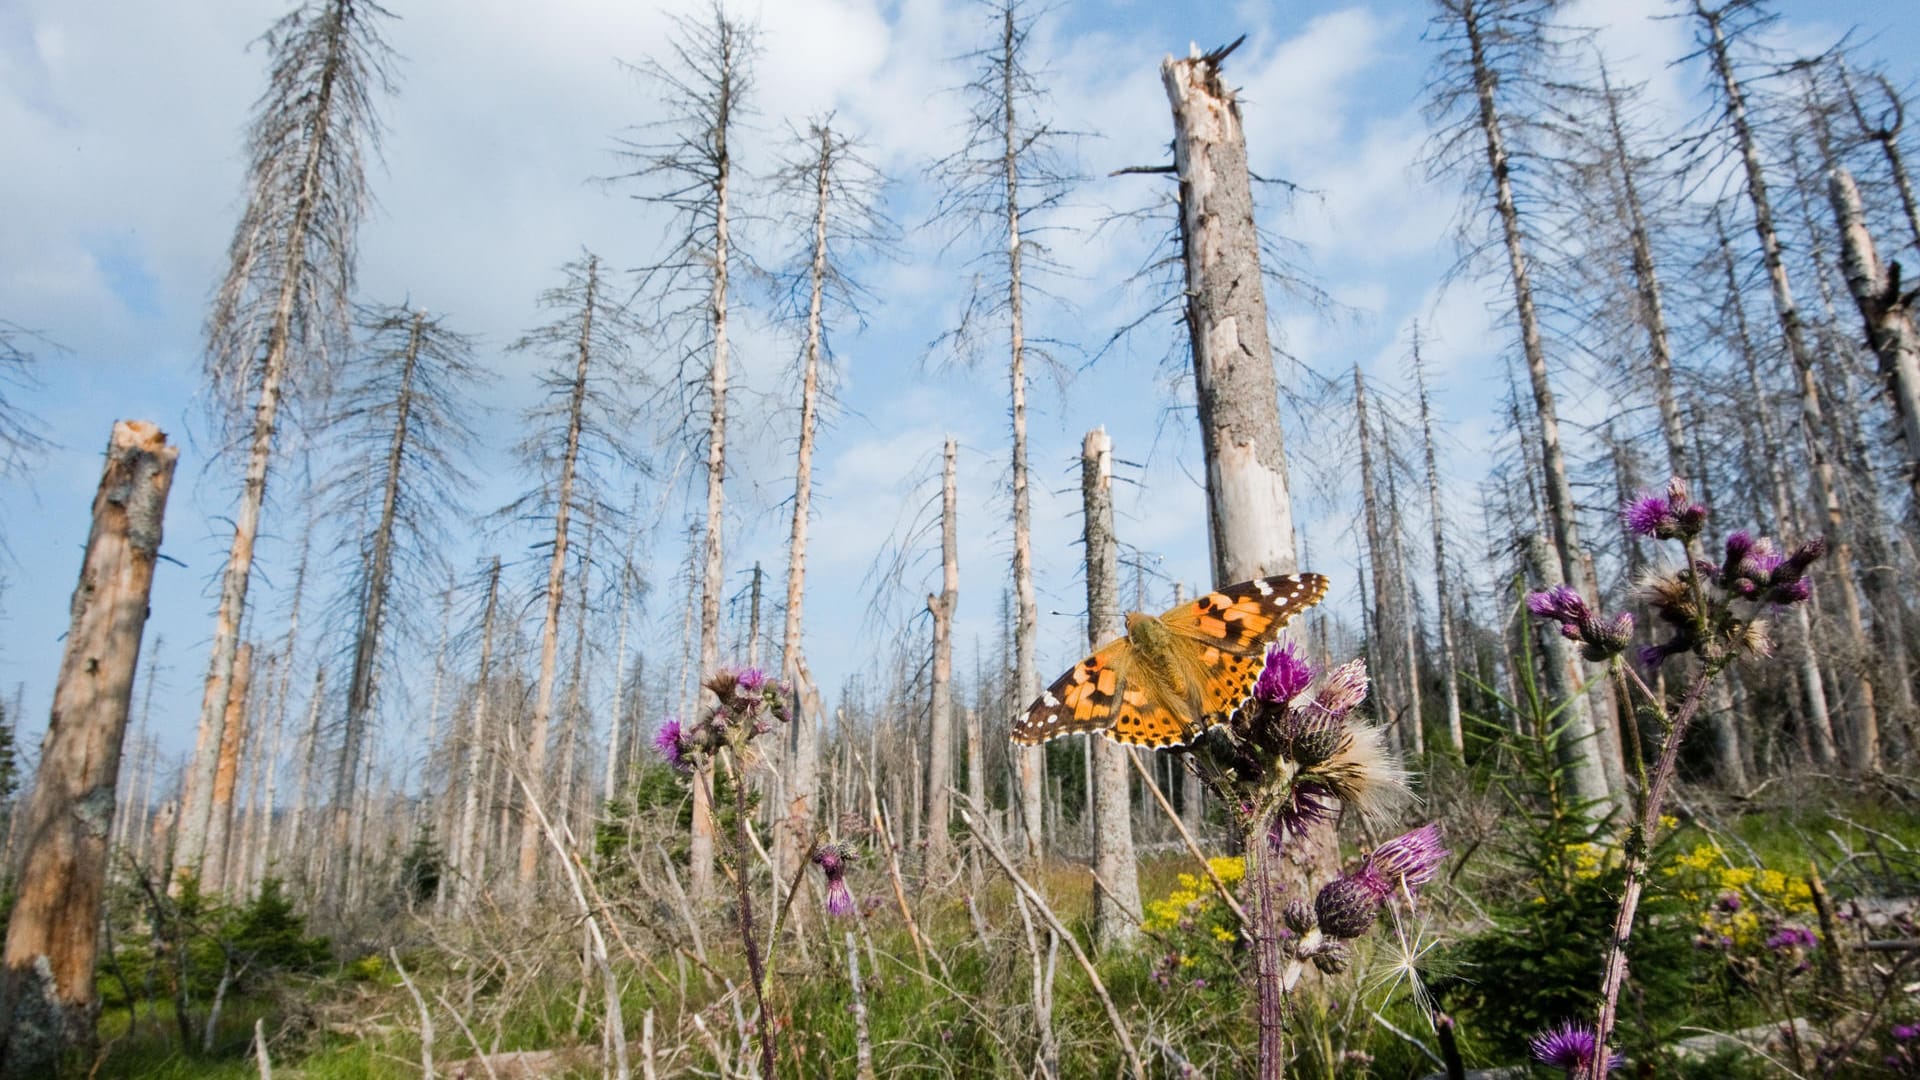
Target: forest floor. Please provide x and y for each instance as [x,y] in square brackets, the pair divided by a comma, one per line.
[1501,947]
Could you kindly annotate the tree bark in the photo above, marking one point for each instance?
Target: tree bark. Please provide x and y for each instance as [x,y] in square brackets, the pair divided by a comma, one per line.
[940,712]
[556,585]
[232,734]
[466,877]
[46,987]
[1862,734]
[1116,913]
[1887,313]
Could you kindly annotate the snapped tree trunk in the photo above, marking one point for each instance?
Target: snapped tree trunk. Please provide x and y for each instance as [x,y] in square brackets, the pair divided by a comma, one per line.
[47,1005]
[1116,913]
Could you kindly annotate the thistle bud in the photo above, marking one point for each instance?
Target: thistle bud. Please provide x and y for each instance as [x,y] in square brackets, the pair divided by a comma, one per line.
[1298,916]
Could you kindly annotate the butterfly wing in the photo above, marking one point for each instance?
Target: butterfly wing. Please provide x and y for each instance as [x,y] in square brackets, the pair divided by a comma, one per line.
[1085,699]
[1230,629]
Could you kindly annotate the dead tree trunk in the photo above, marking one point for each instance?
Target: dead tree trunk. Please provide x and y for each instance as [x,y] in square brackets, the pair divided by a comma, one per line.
[1116,913]
[616,765]
[1863,734]
[556,584]
[466,877]
[1384,658]
[570,729]
[1646,280]
[1026,628]
[46,988]
[940,711]
[290,273]
[1813,682]
[803,775]
[1886,310]
[1442,580]
[232,735]
[1249,505]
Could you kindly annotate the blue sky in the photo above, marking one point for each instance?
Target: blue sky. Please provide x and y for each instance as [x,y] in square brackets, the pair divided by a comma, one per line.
[124,121]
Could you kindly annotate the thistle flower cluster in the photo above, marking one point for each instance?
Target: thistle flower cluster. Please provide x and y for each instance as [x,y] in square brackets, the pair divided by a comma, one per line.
[748,705]
[1288,760]
[1293,752]
[1695,602]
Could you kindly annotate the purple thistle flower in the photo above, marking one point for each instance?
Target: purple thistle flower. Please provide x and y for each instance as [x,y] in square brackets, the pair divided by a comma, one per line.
[1569,1046]
[832,859]
[667,742]
[1790,936]
[1905,1032]
[1348,906]
[1607,638]
[1284,675]
[1343,689]
[1646,516]
[1413,857]
[1307,803]
[1561,603]
[750,679]
[1652,656]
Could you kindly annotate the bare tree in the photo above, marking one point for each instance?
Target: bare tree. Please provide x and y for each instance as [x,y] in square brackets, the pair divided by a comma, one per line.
[1116,909]
[1009,171]
[835,193]
[1717,28]
[21,437]
[704,84]
[1443,584]
[405,424]
[574,434]
[940,694]
[46,975]
[284,302]
[1490,83]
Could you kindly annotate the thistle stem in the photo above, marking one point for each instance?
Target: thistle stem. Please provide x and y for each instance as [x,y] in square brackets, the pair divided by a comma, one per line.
[754,966]
[1639,843]
[1265,928]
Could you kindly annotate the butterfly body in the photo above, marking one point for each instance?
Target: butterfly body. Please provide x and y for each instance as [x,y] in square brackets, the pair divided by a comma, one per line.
[1174,674]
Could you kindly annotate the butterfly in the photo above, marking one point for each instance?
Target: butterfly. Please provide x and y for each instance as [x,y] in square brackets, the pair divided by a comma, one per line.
[1173,675]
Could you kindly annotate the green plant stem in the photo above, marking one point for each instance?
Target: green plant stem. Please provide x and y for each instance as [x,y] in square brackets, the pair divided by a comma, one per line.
[1639,843]
[780,914]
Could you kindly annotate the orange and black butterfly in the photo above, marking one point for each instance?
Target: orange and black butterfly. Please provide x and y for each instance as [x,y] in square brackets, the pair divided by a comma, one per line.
[1176,674]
